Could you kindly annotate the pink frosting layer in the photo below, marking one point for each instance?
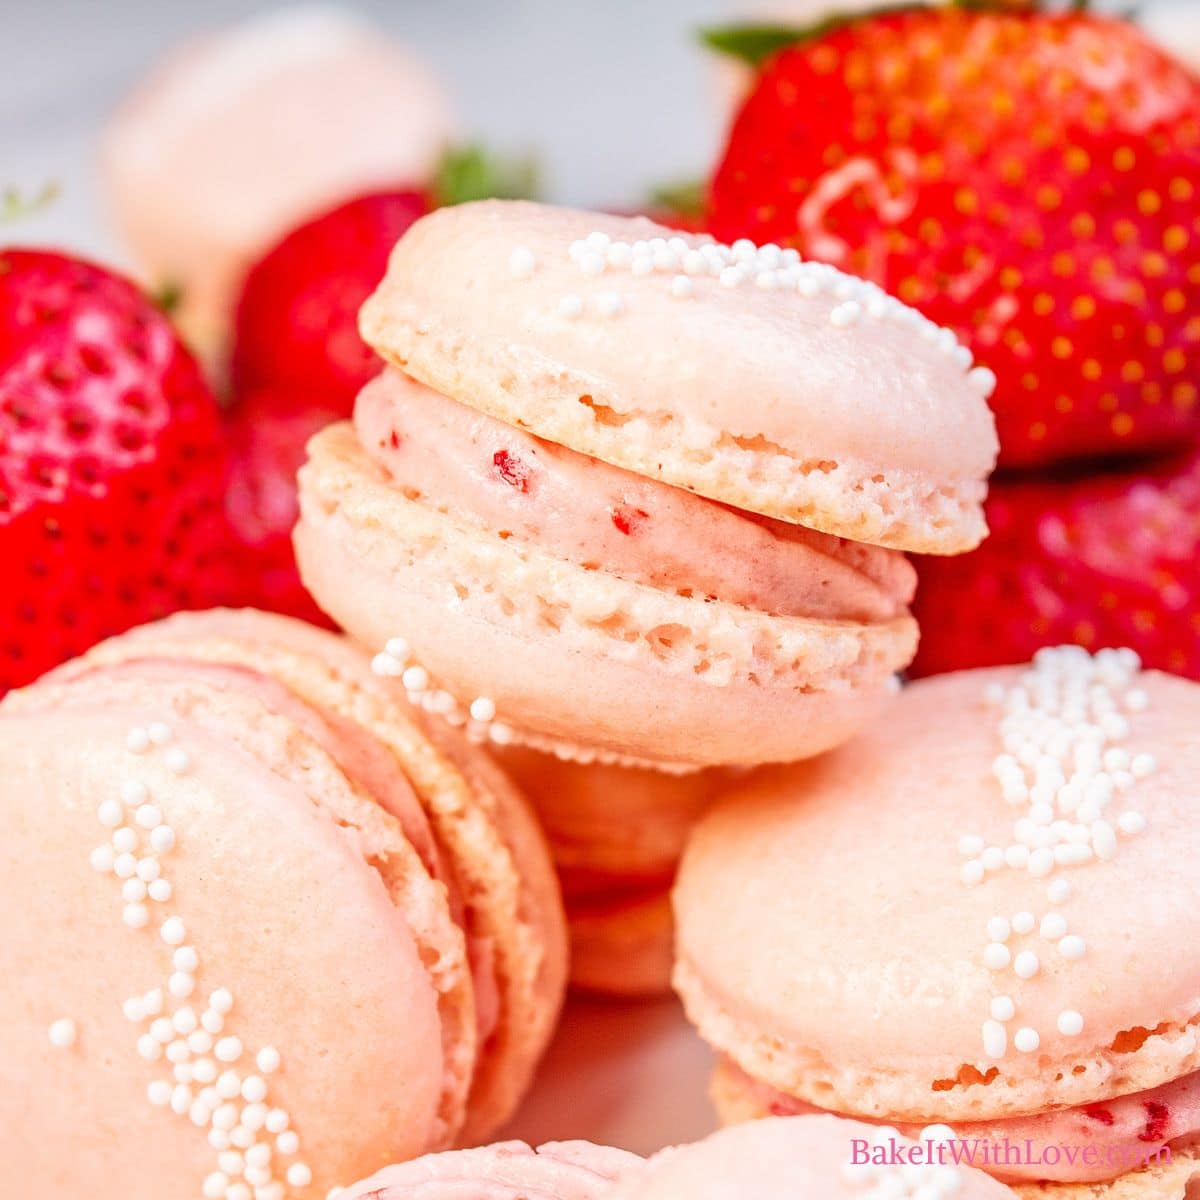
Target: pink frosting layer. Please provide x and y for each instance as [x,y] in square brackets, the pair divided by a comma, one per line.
[593,513]
[1121,1133]
[506,1171]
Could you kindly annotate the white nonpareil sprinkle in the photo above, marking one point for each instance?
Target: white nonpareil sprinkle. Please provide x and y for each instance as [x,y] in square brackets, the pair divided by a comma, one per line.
[1025,965]
[521,263]
[1062,762]
[192,1085]
[1026,1040]
[173,931]
[1003,1008]
[179,762]
[268,1060]
[1072,946]
[1070,1023]
[571,307]
[846,314]
[996,956]
[63,1033]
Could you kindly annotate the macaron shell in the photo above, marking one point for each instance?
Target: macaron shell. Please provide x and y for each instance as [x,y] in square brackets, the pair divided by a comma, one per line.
[277,744]
[505,1171]
[670,678]
[240,134]
[622,943]
[284,907]
[737,1101]
[1171,1180]
[783,1158]
[482,824]
[865,990]
[749,396]
[617,823]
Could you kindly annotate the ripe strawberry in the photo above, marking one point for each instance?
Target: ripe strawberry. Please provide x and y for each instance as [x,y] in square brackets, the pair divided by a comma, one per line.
[1108,559]
[297,319]
[267,431]
[111,464]
[1027,179]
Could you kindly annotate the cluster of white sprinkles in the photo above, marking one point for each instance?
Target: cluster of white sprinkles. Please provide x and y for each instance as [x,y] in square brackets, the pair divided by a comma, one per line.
[477,719]
[206,1075]
[908,1180]
[1069,777]
[700,261]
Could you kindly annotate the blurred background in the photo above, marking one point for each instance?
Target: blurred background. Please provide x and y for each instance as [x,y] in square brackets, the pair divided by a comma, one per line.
[613,96]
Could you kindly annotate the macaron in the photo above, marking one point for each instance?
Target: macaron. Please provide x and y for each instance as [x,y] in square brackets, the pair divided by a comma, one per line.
[504,1171]
[785,1158]
[979,914]
[241,133]
[616,835]
[807,1158]
[278,930]
[680,471]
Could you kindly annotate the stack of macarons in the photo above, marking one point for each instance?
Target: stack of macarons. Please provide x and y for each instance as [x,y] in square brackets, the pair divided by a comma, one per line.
[268,928]
[635,498]
[793,1158]
[981,914]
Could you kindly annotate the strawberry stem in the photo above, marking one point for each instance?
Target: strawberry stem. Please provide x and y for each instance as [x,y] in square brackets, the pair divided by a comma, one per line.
[470,173]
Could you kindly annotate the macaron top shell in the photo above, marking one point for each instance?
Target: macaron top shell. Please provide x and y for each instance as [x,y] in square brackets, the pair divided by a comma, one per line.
[841,409]
[286,902]
[485,843]
[505,1171]
[797,1158]
[837,942]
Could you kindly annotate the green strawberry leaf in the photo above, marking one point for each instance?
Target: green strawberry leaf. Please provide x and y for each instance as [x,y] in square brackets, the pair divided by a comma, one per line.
[14,204]
[684,197]
[470,173]
[754,44]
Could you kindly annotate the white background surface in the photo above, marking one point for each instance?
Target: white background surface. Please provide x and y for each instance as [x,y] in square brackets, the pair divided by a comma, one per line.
[613,95]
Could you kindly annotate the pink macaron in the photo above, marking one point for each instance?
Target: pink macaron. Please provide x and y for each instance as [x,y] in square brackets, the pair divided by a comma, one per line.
[793,1158]
[276,929]
[980,914]
[639,496]
[505,1171]
[616,835]
[240,134]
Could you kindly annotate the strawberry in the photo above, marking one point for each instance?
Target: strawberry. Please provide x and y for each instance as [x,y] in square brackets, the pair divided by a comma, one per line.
[111,464]
[1028,179]
[267,431]
[1101,559]
[297,319]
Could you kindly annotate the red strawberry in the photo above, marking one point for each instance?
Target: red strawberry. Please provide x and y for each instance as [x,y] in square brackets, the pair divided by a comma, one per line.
[297,320]
[1027,179]
[111,464]
[268,430]
[1109,559]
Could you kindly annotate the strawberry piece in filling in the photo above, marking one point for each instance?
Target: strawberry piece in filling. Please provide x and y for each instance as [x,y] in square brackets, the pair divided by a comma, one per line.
[465,463]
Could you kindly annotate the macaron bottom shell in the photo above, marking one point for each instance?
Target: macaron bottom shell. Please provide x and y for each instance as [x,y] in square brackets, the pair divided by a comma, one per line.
[669,679]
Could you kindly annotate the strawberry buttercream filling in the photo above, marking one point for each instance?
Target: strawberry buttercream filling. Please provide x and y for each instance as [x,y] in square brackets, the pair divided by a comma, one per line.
[468,464]
[1083,1144]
